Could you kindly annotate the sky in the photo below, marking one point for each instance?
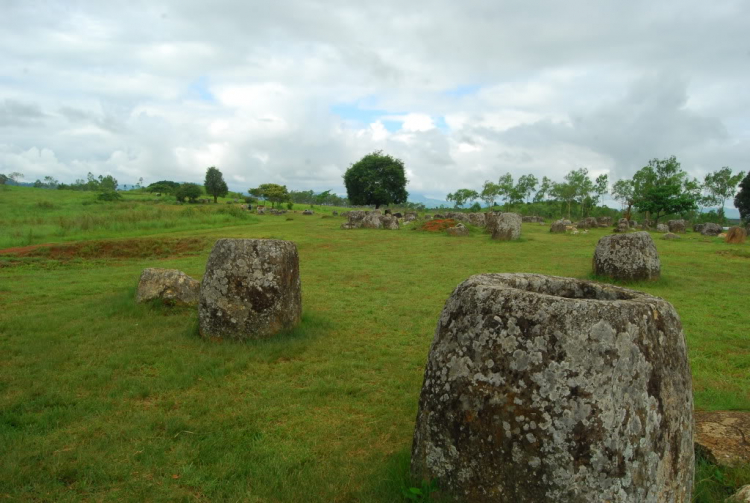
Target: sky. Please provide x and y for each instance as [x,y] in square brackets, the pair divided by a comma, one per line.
[294,92]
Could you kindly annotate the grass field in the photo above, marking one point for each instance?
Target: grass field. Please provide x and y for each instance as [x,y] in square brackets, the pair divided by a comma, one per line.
[105,400]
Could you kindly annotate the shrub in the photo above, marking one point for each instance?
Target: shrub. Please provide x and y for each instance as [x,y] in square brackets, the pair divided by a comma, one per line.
[109,195]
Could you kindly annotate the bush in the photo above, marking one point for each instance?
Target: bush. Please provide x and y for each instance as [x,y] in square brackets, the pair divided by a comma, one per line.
[109,195]
[290,206]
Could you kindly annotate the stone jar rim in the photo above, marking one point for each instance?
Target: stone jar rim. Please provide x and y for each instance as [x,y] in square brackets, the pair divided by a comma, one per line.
[560,288]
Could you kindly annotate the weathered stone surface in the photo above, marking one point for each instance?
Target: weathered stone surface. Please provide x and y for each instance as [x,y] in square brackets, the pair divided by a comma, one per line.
[628,257]
[428,217]
[588,223]
[459,230]
[532,219]
[504,226]
[478,219]
[676,226]
[372,221]
[170,285]
[698,227]
[389,222]
[670,235]
[623,225]
[541,388]
[633,223]
[711,229]
[410,216]
[736,235]
[741,496]
[604,221]
[662,228]
[398,215]
[438,216]
[251,289]
[558,227]
[724,434]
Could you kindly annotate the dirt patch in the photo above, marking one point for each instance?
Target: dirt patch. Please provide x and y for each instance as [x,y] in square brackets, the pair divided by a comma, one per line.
[726,434]
[112,249]
[438,225]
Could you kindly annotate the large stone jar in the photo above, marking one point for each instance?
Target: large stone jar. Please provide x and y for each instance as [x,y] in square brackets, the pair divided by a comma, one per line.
[541,388]
[251,289]
[627,257]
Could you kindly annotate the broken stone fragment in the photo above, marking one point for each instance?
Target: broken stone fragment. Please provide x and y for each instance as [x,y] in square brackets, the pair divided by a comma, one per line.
[171,286]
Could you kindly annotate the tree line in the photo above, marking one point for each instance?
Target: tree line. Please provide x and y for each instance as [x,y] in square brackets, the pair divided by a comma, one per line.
[658,189]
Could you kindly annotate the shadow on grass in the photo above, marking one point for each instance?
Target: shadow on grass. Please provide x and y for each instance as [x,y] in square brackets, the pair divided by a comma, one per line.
[633,285]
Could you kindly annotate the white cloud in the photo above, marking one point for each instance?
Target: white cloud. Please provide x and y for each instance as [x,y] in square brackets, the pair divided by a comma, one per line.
[462,93]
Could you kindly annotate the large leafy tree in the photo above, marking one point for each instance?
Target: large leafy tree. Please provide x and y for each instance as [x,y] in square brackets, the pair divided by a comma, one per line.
[376,179]
[273,192]
[545,189]
[505,187]
[461,196]
[215,184]
[721,185]
[623,191]
[564,191]
[663,188]
[190,191]
[163,187]
[742,199]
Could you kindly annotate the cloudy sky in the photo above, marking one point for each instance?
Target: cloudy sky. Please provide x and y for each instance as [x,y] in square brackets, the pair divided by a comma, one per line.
[293,92]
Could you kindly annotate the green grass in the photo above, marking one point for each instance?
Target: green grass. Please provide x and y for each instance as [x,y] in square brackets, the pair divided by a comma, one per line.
[105,400]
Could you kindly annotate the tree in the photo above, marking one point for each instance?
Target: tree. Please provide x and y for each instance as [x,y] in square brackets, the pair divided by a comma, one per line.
[523,188]
[271,192]
[215,184]
[623,191]
[505,187]
[662,188]
[15,176]
[376,179]
[3,179]
[742,199]
[721,185]
[107,182]
[489,193]
[190,191]
[545,189]
[163,187]
[565,192]
[461,196]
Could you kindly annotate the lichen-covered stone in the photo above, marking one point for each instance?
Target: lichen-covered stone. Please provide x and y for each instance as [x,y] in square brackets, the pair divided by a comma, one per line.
[170,285]
[670,236]
[389,222]
[541,388]
[741,496]
[676,226]
[588,223]
[711,229]
[459,230]
[558,227]
[410,216]
[604,221]
[628,257]
[251,289]
[662,228]
[504,226]
[623,225]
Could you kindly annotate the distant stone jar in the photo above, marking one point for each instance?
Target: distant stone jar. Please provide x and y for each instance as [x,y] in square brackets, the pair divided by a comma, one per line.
[627,257]
[251,289]
[504,226]
[541,388]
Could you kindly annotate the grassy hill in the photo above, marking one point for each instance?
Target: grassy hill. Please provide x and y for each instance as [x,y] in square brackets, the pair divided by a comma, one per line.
[105,400]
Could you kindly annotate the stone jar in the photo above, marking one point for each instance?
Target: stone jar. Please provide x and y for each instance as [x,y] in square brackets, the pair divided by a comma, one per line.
[251,289]
[627,257]
[541,388]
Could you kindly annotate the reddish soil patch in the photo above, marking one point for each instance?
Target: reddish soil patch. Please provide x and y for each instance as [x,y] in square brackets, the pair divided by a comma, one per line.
[438,225]
[726,434]
[121,248]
